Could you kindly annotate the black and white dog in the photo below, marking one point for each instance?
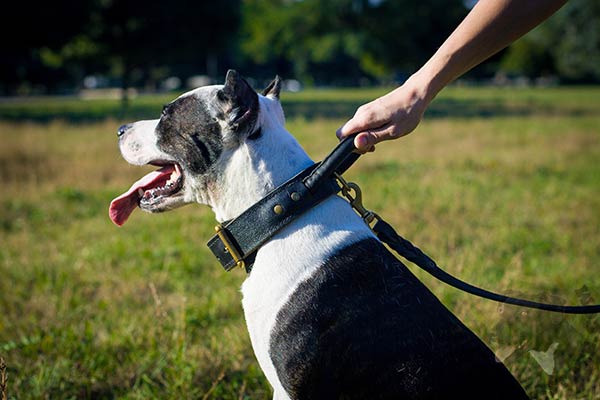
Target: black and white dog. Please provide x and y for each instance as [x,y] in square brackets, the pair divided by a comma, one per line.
[331,313]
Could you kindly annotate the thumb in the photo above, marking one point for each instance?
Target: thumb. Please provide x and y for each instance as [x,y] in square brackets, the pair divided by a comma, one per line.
[365,141]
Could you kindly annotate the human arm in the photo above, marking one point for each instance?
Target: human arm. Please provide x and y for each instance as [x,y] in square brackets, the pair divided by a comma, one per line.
[488,28]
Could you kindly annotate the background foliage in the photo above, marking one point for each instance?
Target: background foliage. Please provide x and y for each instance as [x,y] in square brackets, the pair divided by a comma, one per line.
[134,43]
[567,45]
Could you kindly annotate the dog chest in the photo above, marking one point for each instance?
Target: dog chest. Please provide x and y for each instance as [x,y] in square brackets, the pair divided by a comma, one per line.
[290,258]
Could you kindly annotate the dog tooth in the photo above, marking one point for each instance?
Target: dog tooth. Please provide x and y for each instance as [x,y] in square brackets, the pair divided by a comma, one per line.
[140,192]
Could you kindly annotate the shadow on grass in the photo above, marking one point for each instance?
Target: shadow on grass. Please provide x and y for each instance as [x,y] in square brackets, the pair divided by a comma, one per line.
[80,111]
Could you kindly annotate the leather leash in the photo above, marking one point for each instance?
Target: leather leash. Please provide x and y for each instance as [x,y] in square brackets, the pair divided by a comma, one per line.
[238,240]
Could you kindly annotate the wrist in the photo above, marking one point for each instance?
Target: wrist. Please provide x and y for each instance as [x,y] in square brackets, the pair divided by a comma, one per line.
[428,82]
[419,90]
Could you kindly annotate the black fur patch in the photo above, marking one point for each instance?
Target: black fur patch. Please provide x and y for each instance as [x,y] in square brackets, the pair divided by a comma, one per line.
[363,327]
[188,132]
[241,102]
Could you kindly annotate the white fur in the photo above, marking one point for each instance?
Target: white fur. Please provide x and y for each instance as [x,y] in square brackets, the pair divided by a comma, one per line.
[201,91]
[138,147]
[250,171]
[256,167]
[296,252]
[291,257]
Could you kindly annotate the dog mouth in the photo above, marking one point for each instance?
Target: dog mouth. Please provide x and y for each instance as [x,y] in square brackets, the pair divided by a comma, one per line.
[157,191]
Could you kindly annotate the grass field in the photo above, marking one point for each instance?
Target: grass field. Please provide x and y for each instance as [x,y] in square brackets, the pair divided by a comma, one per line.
[500,186]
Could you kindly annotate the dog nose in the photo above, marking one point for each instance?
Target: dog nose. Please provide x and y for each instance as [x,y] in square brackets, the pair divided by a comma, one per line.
[123,129]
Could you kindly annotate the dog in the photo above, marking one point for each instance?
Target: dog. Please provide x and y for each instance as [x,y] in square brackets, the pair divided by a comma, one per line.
[330,312]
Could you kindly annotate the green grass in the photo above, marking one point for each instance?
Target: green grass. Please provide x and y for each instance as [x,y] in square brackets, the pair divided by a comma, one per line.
[501,187]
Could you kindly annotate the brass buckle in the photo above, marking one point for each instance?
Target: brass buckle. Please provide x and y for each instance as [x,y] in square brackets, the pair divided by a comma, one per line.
[230,247]
[356,200]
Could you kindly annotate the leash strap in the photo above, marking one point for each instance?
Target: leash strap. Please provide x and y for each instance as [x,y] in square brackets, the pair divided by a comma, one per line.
[337,162]
[406,249]
[238,240]
[386,233]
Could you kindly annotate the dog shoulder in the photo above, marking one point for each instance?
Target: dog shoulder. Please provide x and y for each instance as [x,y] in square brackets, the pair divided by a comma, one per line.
[362,326]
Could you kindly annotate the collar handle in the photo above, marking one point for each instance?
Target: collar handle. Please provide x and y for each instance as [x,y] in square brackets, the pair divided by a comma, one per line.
[337,162]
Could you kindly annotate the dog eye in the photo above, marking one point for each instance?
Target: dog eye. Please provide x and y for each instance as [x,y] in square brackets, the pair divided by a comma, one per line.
[164,111]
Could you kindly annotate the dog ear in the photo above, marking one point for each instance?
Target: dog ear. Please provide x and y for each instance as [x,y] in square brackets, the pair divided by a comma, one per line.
[239,100]
[274,88]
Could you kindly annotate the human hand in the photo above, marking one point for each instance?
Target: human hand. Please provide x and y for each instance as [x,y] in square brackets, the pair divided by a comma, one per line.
[389,117]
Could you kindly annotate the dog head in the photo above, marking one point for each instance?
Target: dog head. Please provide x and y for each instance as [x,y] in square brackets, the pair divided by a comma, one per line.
[204,140]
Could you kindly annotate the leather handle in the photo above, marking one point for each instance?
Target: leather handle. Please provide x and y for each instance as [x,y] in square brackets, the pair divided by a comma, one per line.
[338,161]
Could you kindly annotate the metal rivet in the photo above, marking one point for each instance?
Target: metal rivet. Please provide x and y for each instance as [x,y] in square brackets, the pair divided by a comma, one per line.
[278,209]
[295,196]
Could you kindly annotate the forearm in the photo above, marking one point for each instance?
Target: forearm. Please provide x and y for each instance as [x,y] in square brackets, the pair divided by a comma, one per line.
[488,28]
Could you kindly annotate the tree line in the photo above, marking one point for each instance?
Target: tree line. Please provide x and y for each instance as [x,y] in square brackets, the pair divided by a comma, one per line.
[52,46]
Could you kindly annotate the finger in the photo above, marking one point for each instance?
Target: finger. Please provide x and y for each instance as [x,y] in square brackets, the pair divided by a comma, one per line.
[365,140]
[363,120]
[350,127]
[386,132]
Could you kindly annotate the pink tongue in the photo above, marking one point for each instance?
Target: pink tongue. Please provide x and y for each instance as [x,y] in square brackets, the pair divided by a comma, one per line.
[121,208]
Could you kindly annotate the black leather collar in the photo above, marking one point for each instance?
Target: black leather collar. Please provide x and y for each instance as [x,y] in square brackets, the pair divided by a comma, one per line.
[238,240]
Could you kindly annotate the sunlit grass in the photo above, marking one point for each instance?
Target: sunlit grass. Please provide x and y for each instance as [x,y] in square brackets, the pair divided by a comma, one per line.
[89,310]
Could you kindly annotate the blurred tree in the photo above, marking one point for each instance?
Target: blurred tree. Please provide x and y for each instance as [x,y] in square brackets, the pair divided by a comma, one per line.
[141,39]
[51,46]
[402,35]
[34,35]
[567,45]
[528,56]
[138,41]
[293,35]
[346,38]
[577,52]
